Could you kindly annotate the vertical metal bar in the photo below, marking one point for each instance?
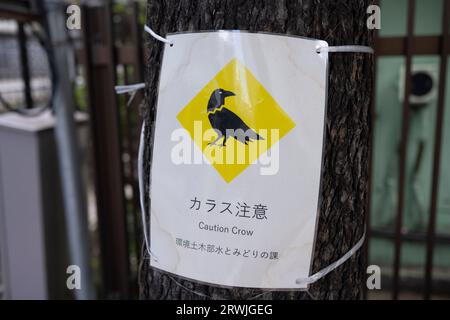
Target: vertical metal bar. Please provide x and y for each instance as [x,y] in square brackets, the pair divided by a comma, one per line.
[131,179]
[403,150]
[136,36]
[371,140]
[437,150]
[120,220]
[131,151]
[24,64]
[137,77]
[107,149]
[136,31]
[74,202]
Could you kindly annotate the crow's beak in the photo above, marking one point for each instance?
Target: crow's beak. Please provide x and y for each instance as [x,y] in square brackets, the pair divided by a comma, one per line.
[228,94]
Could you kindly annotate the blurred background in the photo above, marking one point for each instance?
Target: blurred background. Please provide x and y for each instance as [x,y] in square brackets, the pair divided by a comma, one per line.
[415,259]
[409,221]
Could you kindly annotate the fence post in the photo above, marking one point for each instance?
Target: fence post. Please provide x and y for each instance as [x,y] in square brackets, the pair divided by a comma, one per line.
[75,212]
[101,79]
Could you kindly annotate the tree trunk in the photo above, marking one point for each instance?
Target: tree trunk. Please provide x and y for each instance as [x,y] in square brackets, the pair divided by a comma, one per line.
[346,154]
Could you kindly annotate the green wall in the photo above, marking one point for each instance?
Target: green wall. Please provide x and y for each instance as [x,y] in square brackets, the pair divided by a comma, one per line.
[428,21]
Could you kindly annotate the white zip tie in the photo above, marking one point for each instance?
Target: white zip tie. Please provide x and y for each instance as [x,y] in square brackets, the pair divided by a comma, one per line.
[303,281]
[346,48]
[350,48]
[132,89]
[322,273]
[129,88]
[157,36]
[142,191]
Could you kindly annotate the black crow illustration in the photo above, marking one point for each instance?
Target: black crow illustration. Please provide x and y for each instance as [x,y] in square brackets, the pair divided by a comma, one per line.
[225,122]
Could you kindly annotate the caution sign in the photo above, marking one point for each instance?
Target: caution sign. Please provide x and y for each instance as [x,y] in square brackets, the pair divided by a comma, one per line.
[237,158]
[234,101]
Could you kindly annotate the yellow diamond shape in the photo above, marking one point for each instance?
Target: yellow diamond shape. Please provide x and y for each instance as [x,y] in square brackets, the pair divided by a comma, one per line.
[252,104]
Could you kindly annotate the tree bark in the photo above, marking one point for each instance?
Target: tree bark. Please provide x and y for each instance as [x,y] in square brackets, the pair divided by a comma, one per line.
[346,154]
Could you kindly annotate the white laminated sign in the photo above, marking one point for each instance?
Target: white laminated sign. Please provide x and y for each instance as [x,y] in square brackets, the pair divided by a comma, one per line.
[237,158]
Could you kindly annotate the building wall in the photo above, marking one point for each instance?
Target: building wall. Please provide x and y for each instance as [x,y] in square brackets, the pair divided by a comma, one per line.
[428,21]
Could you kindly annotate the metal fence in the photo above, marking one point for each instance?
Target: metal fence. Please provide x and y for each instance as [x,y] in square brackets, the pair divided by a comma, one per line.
[108,52]
[109,57]
[409,46]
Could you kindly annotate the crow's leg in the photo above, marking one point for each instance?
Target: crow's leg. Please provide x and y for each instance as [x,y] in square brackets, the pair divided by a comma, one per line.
[224,141]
